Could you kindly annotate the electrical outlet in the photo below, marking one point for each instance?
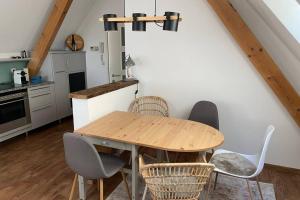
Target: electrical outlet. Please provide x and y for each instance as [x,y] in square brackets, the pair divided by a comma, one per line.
[94,48]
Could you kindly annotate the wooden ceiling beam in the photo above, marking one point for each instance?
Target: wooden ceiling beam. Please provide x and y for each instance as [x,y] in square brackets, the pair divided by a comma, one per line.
[259,57]
[48,35]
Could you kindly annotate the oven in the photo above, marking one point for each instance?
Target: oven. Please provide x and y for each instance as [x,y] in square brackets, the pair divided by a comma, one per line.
[14,110]
[77,81]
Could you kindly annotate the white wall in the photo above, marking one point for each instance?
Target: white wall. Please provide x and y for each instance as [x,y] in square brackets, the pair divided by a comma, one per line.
[203,61]
[93,33]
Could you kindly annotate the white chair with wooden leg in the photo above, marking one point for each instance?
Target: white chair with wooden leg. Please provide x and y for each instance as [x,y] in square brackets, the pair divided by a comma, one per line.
[83,158]
[241,165]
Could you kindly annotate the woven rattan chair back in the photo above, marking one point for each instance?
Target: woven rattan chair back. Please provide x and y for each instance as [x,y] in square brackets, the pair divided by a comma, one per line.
[150,105]
[170,181]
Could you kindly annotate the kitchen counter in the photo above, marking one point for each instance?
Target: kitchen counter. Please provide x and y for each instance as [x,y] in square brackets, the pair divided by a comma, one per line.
[93,103]
[11,87]
[103,89]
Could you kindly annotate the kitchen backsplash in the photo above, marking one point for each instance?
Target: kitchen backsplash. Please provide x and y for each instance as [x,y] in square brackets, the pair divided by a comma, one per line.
[5,74]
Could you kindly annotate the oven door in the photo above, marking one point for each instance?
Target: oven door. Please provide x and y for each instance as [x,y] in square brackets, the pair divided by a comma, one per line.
[14,112]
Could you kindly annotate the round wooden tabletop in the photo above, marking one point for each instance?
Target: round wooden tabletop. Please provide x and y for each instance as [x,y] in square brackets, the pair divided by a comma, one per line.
[156,132]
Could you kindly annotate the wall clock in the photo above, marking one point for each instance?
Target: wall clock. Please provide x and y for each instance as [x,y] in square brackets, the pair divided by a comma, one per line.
[75,42]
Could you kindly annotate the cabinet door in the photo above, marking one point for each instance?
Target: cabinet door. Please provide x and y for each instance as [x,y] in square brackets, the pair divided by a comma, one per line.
[76,62]
[60,62]
[63,104]
[42,105]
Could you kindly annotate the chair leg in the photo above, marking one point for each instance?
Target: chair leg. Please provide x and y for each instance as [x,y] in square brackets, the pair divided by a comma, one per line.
[259,188]
[129,162]
[250,193]
[167,156]
[216,180]
[208,189]
[101,195]
[126,183]
[73,187]
[98,185]
[145,192]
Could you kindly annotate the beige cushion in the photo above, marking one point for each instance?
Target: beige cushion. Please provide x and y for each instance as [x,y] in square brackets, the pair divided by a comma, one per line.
[233,163]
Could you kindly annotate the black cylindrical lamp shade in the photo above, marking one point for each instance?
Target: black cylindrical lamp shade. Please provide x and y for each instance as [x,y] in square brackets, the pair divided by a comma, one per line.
[171,25]
[110,26]
[138,25]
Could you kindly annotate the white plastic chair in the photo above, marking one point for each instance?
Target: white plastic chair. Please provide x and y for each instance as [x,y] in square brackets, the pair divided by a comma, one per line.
[257,161]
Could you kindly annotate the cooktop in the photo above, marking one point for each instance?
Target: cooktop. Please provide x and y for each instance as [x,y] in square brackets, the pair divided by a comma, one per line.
[10,86]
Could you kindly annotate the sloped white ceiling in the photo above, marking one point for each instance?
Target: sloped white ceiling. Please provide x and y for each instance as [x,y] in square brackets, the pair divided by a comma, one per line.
[288,13]
[77,13]
[274,36]
[22,22]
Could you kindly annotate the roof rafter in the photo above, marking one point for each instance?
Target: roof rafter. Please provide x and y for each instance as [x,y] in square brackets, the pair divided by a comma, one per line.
[259,57]
[48,35]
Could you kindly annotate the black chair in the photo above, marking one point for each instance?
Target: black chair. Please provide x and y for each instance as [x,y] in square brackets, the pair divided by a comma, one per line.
[205,112]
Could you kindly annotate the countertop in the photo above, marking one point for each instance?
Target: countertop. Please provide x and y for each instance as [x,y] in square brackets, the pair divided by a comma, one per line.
[102,89]
[11,87]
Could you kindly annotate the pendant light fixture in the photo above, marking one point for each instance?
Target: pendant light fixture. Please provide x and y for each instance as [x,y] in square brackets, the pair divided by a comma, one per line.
[170,21]
[171,24]
[138,25]
[110,25]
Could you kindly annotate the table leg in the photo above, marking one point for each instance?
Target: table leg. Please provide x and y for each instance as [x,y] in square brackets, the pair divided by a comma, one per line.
[159,155]
[202,157]
[82,191]
[135,173]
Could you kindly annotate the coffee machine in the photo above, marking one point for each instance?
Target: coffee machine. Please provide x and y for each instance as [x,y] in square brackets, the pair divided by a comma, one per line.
[21,77]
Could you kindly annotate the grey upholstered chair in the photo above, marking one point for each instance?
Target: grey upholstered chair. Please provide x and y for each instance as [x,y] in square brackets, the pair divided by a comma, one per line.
[205,112]
[83,158]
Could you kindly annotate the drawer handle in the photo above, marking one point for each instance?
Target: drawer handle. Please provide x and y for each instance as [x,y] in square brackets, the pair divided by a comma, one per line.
[32,97]
[41,108]
[41,88]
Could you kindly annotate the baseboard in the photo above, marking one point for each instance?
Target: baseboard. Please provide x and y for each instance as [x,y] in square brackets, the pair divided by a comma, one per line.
[283,169]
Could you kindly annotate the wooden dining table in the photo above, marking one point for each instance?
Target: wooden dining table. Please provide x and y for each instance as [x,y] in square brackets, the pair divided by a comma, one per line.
[129,131]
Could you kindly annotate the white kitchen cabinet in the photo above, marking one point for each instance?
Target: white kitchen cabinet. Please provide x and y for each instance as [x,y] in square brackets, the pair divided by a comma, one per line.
[63,103]
[76,62]
[57,68]
[60,62]
[42,105]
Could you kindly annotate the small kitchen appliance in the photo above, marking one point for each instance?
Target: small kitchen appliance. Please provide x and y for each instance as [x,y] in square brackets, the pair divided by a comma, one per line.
[21,77]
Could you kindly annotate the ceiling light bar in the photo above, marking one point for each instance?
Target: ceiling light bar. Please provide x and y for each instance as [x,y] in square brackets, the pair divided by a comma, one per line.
[170,21]
[160,19]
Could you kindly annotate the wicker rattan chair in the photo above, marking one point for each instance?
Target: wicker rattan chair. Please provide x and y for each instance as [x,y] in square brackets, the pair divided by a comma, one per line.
[151,105]
[175,181]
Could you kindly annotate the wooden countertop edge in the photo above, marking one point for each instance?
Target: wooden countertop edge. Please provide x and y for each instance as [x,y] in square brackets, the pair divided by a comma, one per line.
[102,89]
[153,146]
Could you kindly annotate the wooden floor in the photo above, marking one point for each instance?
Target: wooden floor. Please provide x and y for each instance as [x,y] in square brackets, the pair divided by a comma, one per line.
[33,168]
